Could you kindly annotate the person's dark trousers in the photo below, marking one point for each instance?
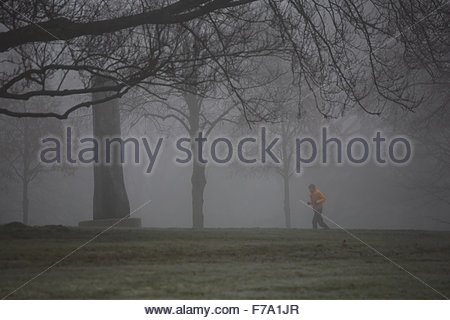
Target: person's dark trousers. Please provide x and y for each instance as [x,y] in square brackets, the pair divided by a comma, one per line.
[318,219]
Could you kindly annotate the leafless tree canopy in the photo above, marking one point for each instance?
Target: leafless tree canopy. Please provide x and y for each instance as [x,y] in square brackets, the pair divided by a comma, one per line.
[347,51]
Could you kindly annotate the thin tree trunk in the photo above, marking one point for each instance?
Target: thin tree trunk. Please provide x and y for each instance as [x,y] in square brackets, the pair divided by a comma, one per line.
[285,175]
[287,203]
[198,178]
[110,195]
[25,202]
[25,173]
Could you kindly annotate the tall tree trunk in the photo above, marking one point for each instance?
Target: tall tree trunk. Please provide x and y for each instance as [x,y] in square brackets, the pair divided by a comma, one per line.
[110,195]
[198,178]
[198,181]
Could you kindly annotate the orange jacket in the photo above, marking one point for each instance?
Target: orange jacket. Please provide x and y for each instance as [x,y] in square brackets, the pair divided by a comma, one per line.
[317,198]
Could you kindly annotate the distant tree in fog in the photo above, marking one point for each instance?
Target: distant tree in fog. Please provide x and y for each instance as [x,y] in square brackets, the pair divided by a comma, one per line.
[293,114]
[429,129]
[19,157]
[200,95]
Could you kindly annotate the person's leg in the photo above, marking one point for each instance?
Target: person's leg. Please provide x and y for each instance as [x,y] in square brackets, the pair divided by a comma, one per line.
[314,221]
[320,221]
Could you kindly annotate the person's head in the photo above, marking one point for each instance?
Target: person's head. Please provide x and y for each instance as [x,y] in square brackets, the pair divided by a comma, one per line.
[312,187]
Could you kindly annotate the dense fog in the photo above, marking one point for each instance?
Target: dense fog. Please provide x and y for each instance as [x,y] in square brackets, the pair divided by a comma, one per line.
[367,196]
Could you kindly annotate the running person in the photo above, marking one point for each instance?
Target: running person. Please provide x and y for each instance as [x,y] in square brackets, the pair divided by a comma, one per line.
[316,201]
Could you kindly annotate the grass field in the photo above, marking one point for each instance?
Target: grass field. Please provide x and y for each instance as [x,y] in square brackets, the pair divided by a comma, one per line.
[222,264]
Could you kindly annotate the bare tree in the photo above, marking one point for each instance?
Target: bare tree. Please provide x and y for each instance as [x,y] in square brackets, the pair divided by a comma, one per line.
[110,195]
[201,86]
[429,129]
[19,159]
[190,113]
[294,120]
[350,41]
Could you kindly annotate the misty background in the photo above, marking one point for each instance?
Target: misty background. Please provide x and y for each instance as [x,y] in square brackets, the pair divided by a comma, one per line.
[289,66]
[237,195]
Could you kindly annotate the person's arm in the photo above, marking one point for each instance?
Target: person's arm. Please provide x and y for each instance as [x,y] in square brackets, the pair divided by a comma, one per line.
[321,198]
